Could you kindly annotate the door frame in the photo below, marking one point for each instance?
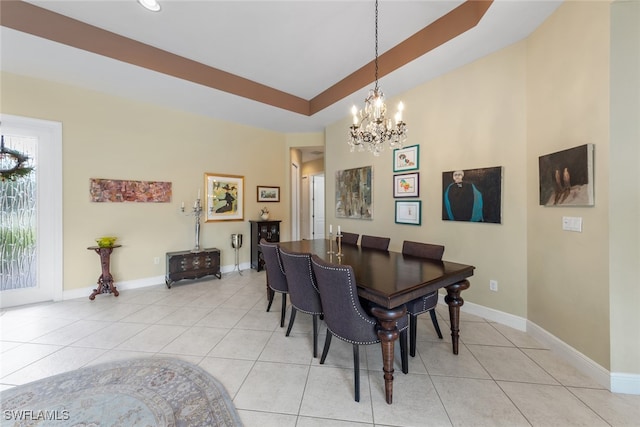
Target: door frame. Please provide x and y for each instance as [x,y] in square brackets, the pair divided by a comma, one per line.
[49,203]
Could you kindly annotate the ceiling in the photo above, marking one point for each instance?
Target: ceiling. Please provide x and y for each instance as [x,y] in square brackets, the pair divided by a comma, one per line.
[294,52]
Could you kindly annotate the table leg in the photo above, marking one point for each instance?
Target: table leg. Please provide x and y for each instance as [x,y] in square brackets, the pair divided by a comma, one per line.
[388,334]
[455,301]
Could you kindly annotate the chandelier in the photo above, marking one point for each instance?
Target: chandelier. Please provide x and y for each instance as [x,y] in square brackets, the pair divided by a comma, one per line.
[371,128]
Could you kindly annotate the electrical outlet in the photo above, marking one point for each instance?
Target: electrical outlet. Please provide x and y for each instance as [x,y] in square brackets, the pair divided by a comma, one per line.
[156,260]
[493,285]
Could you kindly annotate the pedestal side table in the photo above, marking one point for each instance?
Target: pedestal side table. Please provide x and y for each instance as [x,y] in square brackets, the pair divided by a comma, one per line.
[105,281]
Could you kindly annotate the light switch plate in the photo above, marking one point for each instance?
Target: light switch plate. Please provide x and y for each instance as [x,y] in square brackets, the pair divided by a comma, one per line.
[572,223]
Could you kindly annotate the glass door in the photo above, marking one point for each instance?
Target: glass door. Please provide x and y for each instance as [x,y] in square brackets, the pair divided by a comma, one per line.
[31,213]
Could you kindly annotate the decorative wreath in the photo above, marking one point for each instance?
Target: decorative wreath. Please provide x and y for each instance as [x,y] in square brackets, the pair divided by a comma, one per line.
[19,169]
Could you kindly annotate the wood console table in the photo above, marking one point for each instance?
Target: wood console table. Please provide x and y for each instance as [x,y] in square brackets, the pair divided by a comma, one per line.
[192,265]
[105,281]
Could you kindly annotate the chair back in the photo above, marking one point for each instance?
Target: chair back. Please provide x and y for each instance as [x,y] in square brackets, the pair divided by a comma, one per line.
[349,238]
[373,242]
[303,290]
[422,250]
[343,313]
[276,279]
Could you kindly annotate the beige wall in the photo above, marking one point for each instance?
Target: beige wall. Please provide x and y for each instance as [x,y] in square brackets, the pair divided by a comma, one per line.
[473,117]
[544,94]
[624,184]
[109,137]
[568,94]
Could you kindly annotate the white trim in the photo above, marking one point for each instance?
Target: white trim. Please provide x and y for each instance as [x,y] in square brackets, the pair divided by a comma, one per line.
[617,382]
[141,283]
[625,383]
[50,259]
[570,354]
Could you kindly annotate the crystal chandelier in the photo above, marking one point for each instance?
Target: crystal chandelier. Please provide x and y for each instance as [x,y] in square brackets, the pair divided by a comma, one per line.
[371,128]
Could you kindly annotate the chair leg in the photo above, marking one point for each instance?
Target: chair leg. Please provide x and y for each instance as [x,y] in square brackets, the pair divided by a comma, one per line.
[413,326]
[356,369]
[403,352]
[270,294]
[315,335]
[327,343]
[292,319]
[284,309]
[434,320]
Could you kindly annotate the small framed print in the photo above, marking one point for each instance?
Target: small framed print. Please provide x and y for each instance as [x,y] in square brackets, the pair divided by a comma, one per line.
[268,194]
[406,185]
[409,212]
[406,159]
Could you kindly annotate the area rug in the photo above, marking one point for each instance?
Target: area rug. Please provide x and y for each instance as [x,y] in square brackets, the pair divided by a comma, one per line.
[139,392]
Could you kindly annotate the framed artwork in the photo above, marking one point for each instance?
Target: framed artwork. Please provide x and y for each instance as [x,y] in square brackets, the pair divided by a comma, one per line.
[473,195]
[406,159]
[119,190]
[268,194]
[353,193]
[406,185]
[566,177]
[408,212]
[224,197]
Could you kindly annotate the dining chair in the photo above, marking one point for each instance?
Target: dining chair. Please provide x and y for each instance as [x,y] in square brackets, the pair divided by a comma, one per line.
[345,317]
[276,278]
[349,238]
[373,242]
[425,303]
[303,291]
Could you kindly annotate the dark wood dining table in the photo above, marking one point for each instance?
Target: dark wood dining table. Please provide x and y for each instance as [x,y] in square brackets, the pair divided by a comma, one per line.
[389,280]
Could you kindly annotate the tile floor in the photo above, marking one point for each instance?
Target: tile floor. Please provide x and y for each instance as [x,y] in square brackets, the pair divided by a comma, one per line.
[500,377]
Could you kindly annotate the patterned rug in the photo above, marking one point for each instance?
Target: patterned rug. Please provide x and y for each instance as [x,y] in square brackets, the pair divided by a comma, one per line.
[140,392]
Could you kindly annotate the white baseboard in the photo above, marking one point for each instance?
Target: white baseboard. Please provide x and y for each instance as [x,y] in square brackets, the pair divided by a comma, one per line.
[138,283]
[578,360]
[617,382]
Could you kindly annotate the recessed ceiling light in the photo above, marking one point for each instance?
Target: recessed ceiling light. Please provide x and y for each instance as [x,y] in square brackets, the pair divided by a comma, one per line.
[151,5]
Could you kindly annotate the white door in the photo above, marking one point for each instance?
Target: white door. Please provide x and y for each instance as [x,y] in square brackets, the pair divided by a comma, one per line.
[31,226]
[317,182]
[295,202]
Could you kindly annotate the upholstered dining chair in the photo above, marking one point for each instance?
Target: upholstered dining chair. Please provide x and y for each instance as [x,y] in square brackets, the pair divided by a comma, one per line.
[349,238]
[373,242]
[345,317]
[276,279]
[303,291]
[428,302]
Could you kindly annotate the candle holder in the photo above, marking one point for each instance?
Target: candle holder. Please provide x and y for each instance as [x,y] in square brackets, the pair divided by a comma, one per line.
[339,237]
[196,211]
[330,251]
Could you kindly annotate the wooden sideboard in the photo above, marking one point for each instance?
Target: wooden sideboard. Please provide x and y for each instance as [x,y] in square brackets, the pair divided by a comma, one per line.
[192,265]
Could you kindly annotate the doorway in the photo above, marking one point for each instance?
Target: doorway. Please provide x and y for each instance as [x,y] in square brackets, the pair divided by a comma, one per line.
[31,227]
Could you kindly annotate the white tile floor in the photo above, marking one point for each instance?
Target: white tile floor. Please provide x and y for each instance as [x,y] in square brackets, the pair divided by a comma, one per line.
[500,376]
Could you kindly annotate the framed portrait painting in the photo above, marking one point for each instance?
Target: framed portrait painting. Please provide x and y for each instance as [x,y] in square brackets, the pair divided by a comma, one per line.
[473,195]
[224,197]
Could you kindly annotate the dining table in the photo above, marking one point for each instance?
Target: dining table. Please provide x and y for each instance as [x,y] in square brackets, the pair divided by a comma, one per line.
[389,280]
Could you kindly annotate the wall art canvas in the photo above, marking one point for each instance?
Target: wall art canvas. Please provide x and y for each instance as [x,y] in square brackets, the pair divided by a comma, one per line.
[224,199]
[118,190]
[473,195]
[353,193]
[566,177]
